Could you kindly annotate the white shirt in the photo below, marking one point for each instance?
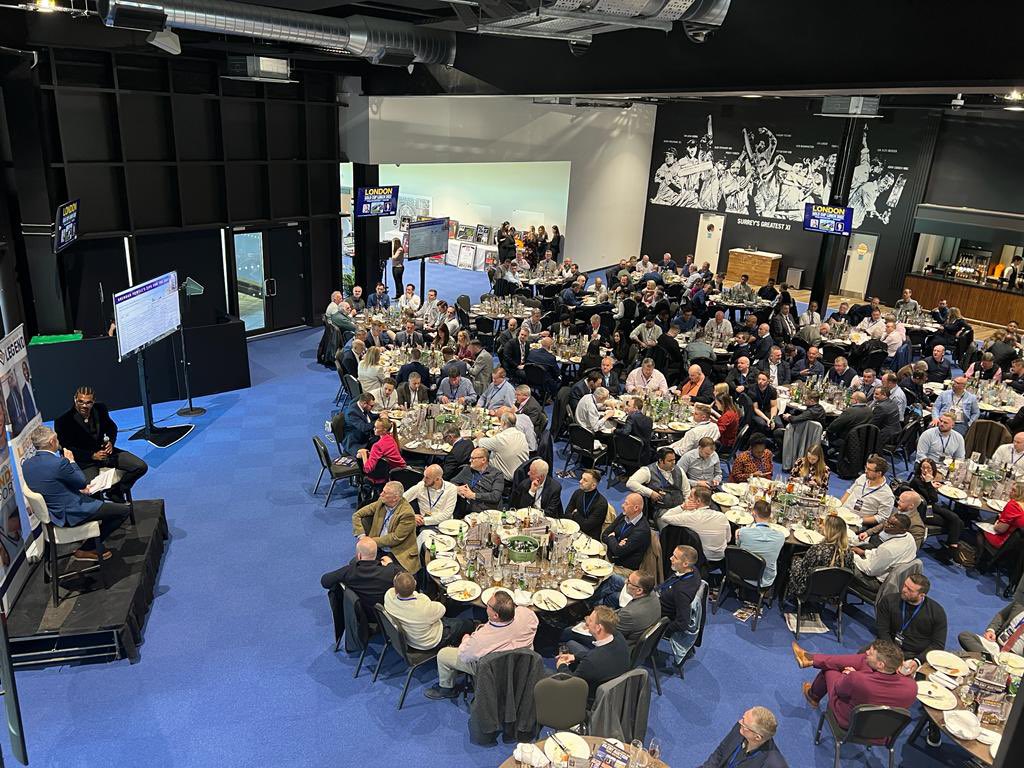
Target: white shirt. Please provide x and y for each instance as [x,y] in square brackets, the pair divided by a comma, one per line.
[637,381]
[878,562]
[1007,454]
[721,330]
[710,525]
[638,482]
[409,302]
[877,502]
[588,413]
[508,450]
[525,425]
[689,441]
[810,318]
[874,328]
[436,505]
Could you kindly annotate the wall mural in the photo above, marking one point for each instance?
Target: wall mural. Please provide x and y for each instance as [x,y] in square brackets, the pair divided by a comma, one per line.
[771,175]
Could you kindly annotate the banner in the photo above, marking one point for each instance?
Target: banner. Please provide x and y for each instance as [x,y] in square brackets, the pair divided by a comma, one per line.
[376,201]
[21,416]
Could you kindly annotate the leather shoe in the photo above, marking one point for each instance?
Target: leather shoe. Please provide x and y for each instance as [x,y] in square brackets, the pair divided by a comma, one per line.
[807,695]
[803,658]
[90,554]
[438,692]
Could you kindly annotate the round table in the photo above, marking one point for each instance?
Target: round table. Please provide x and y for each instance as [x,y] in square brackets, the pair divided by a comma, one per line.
[593,742]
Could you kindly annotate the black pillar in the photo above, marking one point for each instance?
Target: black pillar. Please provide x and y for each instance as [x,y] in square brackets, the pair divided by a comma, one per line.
[36,202]
[366,232]
[833,247]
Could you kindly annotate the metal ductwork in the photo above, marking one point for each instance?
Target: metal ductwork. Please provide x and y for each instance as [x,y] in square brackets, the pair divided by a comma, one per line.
[382,41]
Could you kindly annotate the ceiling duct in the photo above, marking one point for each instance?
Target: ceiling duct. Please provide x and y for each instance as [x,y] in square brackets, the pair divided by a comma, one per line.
[579,20]
[380,40]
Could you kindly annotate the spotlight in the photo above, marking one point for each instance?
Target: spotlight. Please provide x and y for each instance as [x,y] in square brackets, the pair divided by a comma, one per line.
[46,6]
[165,40]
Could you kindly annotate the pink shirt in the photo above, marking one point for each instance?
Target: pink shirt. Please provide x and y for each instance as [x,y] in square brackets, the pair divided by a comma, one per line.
[489,638]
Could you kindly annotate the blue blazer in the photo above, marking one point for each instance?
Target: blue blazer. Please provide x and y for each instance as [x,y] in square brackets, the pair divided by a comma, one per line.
[358,427]
[60,483]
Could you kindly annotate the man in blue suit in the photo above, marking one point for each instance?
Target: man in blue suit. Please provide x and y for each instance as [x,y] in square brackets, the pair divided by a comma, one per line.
[359,424]
[543,357]
[53,474]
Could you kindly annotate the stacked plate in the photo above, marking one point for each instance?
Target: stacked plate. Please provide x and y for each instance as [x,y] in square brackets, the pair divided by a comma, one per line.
[724,499]
[596,567]
[946,662]
[935,696]
[738,516]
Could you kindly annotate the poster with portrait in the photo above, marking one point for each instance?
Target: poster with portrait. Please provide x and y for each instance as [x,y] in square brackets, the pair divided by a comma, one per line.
[21,417]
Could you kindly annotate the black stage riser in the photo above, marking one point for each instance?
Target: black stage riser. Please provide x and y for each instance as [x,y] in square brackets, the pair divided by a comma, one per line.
[97,624]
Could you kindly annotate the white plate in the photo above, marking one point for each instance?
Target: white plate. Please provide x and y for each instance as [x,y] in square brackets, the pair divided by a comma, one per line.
[489,593]
[724,499]
[994,747]
[564,526]
[985,736]
[963,724]
[848,517]
[464,591]
[935,696]
[738,516]
[995,504]
[807,536]
[780,528]
[833,502]
[1012,661]
[577,589]
[576,745]
[588,546]
[595,566]
[736,489]
[441,542]
[678,426]
[952,493]
[948,662]
[453,527]
[442,567]
[546,599]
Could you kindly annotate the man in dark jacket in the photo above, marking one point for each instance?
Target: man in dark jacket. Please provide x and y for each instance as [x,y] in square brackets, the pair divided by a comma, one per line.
[629,535]
[812,412]
[857,412]
[676,594]
[414,366]
[359,423]
[582,388]
[527,405]
[514,353]
[609,657]
[885,415]
[916,623]
[543,357]
[89,433]
[368,575]
[540,490]
[458,456]
[938,368]
[587,506]
[480,484]
[638,424]
[750,743]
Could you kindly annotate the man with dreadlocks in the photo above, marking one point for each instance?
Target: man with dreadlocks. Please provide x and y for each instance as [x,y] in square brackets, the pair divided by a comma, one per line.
[89,433]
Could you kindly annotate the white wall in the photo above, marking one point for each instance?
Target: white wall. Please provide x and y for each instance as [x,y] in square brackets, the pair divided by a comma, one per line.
[609,149]
[488,193]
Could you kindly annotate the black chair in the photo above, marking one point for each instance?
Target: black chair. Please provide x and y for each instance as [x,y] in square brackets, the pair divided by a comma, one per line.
[582,445]
[337,471]
[741,565]
[545,448]
[407,476]
[342,389]
[561,701]
[645,648]
[741,438]
[364,630]
[904,446]
[485,331]
[673,536]
[355,389]
[990,557]
[537,379]
[964,345]
[463,302]
[395,638]
[628,453]
[559,425]
[826,586]
[868,725]
[338,430]
[860,442]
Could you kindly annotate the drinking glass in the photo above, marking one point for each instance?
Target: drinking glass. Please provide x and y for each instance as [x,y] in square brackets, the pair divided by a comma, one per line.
[654,749]
[638,758]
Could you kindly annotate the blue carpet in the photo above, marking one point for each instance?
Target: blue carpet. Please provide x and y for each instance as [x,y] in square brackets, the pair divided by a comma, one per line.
[238,667]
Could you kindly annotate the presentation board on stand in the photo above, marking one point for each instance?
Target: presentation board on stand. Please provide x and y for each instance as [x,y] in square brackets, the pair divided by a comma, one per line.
[146,313]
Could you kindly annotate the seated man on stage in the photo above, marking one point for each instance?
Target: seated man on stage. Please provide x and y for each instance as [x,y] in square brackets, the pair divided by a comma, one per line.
[864,678]
[89,433]
[62,485]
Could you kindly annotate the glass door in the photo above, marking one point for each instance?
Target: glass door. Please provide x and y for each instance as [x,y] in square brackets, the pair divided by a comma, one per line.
[250,282]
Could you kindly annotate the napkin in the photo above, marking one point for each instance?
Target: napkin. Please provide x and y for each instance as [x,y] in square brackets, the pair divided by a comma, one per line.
[530,754]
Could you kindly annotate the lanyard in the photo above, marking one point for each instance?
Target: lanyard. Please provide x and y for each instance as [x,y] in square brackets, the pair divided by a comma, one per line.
[865,493]
[588,504]
[474,480]
[945,442]
[1014,451]
[433,502]
[906,621]
[675,577]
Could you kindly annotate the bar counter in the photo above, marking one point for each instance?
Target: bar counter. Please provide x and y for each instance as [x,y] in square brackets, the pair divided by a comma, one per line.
[986,303]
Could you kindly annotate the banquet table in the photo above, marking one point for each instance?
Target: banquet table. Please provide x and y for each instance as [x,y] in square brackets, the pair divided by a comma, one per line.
[980,753]
[593,742]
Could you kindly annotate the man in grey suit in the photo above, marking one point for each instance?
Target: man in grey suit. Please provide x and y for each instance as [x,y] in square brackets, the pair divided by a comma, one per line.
[482,367]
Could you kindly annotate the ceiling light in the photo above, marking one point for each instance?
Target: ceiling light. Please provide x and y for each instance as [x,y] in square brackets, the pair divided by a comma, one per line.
[1014,109]
[1014,95]
[751,96]
[46,6]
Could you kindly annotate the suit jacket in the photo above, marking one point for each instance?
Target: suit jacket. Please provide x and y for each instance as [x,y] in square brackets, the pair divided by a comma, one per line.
[481,370]
[535,411]
[765,756]
[457,458]
[73,435]
[630,553]
[358,427]
[550,496]
[26,400]
[402,339]
[400,536]
[640,425]
[611,383]
[368,579]
[59,482]
[577,392]
[852,417]
[637,617]
[676,595]
[780,331]
[601,663]
[403,393]
[811,413]
[545,360]
[511,356]
[16,411]
[736,379]
[783,370]
[885,415]
[349,363]
[489,487]
[591,520]
[760,347]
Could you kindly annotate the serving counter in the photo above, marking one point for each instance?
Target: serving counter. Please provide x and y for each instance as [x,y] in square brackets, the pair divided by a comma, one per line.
[759,265]
[988,304]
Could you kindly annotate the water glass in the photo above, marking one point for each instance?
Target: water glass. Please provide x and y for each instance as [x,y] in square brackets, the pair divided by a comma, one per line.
[639,757]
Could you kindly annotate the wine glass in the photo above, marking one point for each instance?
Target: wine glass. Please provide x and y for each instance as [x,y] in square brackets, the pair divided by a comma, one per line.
[654,749]
[638,759]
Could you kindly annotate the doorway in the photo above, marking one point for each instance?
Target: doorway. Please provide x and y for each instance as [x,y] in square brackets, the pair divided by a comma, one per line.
[860,253]
[709,240]
[270,278]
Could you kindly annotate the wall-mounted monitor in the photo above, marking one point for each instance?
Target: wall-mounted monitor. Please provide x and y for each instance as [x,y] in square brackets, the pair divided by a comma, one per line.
[376,201]
[428,238]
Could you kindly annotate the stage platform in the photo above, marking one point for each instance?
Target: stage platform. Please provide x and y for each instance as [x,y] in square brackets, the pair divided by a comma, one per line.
[98,624]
